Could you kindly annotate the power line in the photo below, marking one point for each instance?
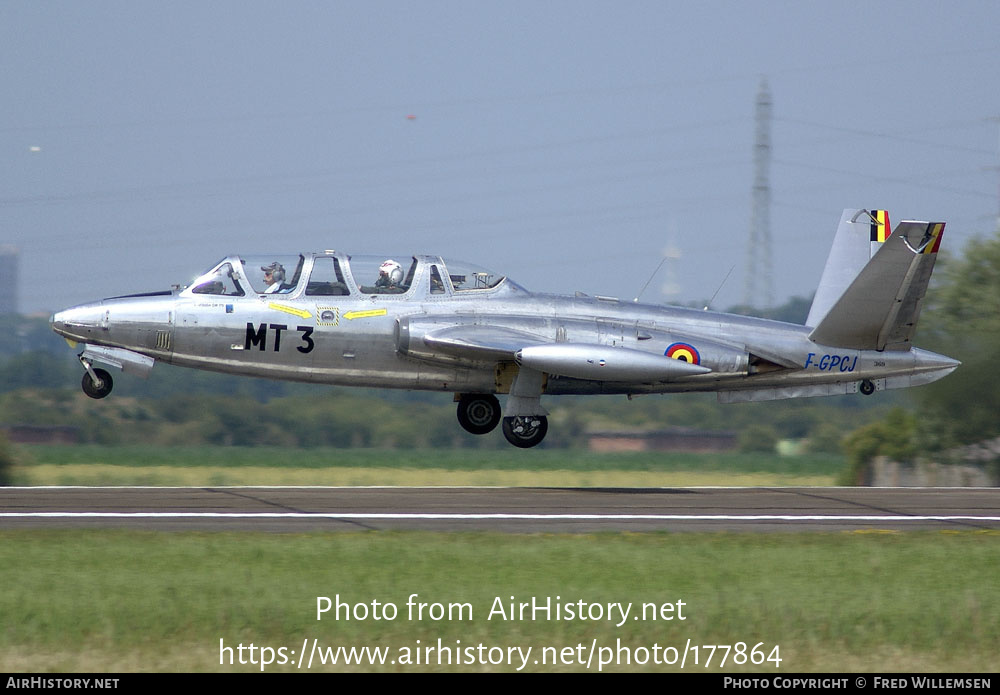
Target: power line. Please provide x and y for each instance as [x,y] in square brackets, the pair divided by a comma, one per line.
[882,136]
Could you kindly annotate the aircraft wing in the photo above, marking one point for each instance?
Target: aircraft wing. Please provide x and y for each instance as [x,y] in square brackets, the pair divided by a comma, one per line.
[579,360]
[481,341]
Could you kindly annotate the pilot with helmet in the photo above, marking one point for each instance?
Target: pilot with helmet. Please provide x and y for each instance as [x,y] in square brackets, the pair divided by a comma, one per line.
[390,277]
[274,277]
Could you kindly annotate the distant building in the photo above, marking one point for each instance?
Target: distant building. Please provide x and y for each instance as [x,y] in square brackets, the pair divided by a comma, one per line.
[41,434]
[9,281]
[687,439]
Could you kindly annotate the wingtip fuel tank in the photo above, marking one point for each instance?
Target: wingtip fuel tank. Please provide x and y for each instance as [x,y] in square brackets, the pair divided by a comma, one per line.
[605,363]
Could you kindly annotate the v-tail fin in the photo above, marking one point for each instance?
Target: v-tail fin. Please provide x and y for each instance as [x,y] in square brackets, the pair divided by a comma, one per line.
[860,235]
[879,308]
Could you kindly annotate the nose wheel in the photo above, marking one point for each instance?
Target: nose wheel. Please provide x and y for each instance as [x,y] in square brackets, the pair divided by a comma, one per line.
[525,431]
[478,413]
[97,383]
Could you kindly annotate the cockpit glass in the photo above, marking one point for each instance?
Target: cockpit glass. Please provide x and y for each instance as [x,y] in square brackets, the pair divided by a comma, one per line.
[326,279]
[465,276]
[383,274]
[437,284]
[273,274]
[220,281]
[330,275]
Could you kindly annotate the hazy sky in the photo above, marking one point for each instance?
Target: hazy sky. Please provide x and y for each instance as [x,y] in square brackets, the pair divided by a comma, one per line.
[567,144]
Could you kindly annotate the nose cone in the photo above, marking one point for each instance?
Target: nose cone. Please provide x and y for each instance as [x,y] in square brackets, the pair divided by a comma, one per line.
[58,322]
[80,322]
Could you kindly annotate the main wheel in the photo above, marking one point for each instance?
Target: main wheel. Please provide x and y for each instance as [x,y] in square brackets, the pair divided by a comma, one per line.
[100,388]
[478,413]
[525,431]
[867,387]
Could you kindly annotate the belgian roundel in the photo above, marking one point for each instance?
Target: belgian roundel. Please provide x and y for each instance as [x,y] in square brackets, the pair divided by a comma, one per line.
[684,353]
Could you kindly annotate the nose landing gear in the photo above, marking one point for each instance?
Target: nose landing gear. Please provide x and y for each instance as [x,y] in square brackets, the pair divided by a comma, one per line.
[97,383]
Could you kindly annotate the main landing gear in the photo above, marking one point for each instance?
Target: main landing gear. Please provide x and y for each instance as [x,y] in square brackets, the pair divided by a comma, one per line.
[867,387]
[525,431]
[479,413]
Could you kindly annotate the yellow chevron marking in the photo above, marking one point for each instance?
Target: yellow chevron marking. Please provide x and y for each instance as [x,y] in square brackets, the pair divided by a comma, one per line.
[364,314]
[301,313]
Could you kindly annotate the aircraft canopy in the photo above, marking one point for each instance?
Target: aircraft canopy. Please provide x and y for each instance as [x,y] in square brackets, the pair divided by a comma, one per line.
[335,274]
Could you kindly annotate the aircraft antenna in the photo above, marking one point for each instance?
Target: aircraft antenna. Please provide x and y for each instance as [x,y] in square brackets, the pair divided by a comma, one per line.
[662,261]
[759,250]
[720,288]
[670,253]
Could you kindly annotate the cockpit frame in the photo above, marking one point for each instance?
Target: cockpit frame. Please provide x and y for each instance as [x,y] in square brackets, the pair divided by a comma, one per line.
[426,277]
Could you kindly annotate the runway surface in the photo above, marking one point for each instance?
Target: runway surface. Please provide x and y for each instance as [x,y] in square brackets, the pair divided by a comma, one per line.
[526,510]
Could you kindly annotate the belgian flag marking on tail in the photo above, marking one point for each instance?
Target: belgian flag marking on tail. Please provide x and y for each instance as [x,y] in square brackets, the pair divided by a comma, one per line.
[935,231]
[880,228]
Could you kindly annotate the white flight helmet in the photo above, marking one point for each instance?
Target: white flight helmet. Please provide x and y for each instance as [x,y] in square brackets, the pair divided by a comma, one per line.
[392,270]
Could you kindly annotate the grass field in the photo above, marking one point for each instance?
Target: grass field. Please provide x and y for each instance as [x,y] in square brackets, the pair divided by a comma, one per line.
[207,465]
[123,601]
[110,600]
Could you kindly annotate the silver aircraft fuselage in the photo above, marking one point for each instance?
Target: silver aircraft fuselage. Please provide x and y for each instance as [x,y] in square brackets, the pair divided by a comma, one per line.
[456,328]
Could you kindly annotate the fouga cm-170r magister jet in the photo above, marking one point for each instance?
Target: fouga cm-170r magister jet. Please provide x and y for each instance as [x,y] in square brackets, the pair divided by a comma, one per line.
[443,326]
